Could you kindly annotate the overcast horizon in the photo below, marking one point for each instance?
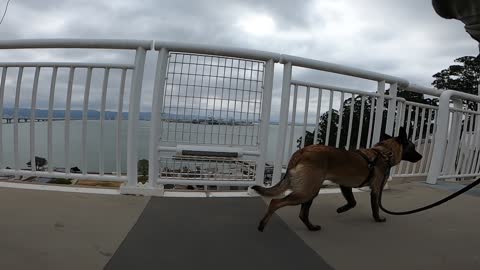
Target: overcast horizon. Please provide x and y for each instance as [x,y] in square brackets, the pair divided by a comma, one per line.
[401,38]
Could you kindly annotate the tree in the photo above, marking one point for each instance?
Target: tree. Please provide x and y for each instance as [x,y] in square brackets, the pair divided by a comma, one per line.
[463,77]
[322,127]
[40,162]
[143,170]
[428,122]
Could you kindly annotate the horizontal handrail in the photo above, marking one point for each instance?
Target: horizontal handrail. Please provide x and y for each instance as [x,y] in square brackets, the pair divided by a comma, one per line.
[66,64]
[217,50]
[424,90]
[334,88]
[179,181]
[295,60]
[75,43]
[464,111]
[65,175]
[360,73]
[343,89]
[447,95]
[458,175]
[214,50]
[421,105]
[341,69]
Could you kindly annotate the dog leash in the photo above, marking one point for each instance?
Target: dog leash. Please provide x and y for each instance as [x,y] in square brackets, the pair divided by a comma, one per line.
[442,201]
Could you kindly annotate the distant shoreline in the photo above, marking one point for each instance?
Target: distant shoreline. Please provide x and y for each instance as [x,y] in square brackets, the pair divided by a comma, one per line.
[21,121]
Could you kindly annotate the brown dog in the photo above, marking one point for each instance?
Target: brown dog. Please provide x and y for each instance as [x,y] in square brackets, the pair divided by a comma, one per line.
[310,166]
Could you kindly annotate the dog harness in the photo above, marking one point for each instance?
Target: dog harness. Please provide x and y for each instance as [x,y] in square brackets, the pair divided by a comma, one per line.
[371,164]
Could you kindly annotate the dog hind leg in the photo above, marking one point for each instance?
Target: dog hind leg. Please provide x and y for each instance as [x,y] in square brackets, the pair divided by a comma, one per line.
[293,198]
[304,216]
[348,194]
[374,200]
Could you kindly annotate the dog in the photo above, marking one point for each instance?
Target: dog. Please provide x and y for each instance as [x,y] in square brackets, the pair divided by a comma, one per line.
[310,166]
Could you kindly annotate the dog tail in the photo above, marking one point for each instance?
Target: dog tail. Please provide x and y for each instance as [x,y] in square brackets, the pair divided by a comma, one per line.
[275,190]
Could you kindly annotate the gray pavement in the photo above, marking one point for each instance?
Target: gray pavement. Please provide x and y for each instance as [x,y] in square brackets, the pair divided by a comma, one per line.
[446,237]
[59,230]
[213,233]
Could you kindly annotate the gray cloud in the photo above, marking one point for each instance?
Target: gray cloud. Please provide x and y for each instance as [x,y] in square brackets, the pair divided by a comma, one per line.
[401,38]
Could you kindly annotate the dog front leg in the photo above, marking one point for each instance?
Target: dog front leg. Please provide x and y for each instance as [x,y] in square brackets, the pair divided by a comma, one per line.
[348,195]
[374,200]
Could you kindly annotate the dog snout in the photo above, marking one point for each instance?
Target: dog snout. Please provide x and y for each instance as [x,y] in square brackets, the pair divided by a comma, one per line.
[418,157]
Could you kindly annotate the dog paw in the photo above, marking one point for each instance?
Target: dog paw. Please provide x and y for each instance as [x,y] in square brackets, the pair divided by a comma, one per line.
[345,208]
[380,219]
[260,227]
[315,228]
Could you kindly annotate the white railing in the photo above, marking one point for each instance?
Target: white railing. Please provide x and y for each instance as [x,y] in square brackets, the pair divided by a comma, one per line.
[59,79]
[353,126]
[390,105]
[233,87]
[457,142]
[421,120]
[344,131]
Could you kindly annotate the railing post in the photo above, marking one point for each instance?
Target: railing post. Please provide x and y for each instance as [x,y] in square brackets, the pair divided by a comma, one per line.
[453,138]
[477,131]
[392,106]
[282,133]
[155,121]
[2,95]
[133,115]
[265,122]
[379,112]
[440,139]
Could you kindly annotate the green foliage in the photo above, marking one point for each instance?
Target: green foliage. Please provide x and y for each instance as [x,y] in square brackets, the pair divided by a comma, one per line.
[143,167]
[40,162]
[463,76]
[142,179]
[61,181]
[143,171]
[334,115]
[355,132]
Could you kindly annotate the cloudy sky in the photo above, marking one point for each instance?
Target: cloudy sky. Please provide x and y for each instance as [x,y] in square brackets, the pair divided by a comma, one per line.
[402,38]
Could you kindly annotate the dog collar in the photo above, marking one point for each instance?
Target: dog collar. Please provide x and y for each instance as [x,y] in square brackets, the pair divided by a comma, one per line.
[387,157]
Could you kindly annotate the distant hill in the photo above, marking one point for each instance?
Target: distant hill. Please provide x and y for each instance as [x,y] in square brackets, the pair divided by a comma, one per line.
[109,115]
[74,114]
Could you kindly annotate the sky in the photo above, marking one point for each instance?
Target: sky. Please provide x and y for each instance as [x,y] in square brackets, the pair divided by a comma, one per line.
[401,38]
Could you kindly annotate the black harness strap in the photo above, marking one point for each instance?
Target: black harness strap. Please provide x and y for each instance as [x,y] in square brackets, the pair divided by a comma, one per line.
[371,166]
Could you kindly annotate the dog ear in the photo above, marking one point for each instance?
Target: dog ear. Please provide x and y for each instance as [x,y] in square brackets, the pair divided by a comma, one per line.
[402,132]
[410,134]
[384,136]
[402,136]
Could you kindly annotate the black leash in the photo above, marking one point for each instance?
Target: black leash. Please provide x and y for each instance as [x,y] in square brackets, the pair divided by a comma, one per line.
[371,165]
[444,200]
